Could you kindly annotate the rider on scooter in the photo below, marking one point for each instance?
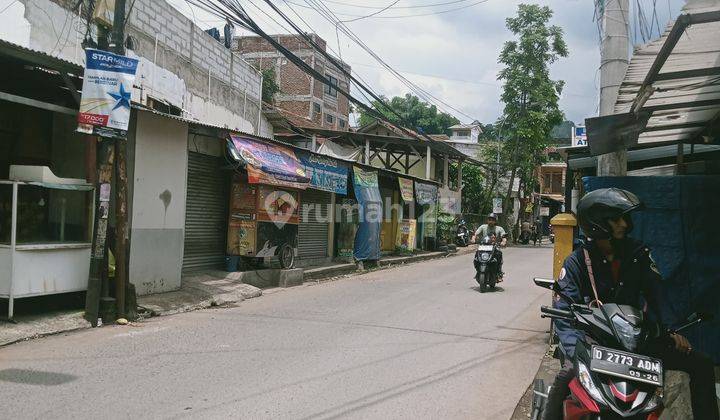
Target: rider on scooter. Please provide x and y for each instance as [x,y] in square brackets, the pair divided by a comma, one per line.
[492,229]
[624,273]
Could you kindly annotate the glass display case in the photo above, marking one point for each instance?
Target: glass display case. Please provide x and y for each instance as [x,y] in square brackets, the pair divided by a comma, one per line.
[45,237]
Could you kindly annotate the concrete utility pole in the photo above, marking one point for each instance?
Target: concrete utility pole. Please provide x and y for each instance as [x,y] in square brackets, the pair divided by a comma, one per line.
[613,64]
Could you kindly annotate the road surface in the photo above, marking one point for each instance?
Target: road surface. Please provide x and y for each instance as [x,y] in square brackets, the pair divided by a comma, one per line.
[412,342]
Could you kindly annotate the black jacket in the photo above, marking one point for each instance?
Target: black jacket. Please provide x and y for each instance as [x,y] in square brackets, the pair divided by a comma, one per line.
[637,284]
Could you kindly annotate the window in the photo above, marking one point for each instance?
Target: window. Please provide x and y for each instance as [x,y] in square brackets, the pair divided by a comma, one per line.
[330,90]
[316,109]
[342,123]
[329,119]
[463,133]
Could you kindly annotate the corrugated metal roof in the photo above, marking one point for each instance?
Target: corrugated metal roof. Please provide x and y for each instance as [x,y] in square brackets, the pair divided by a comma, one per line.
[650,153]
[39,57]
[685,94]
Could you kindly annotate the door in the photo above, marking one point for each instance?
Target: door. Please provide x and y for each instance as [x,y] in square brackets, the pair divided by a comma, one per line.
[314,224]
[205,213]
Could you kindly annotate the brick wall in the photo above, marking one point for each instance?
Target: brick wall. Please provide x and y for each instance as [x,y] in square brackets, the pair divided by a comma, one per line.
[296,85]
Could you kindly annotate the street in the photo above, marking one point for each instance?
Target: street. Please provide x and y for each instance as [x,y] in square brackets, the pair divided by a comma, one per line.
[416,341]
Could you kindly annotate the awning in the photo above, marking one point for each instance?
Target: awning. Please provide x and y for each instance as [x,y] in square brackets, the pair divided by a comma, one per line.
[579,159]
[267,163]
[671,90]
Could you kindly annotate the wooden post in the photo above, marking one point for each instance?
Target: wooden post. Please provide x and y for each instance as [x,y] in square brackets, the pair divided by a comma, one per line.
[121,226]
[313,146]
[367,151]
[446,171]
[428,158]
[97,253]
[563,227]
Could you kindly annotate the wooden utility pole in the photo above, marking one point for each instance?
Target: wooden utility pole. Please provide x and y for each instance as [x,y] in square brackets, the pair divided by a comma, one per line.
[613,64]
[121,196]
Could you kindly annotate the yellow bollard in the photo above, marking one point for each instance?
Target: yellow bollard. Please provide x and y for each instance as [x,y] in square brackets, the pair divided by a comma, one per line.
[563,225]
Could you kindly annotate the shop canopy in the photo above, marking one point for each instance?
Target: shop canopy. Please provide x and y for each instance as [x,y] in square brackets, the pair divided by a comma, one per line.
[671,90]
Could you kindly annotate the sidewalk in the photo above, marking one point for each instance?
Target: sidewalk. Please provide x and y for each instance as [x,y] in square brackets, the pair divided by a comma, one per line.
[203,290]
[676,398]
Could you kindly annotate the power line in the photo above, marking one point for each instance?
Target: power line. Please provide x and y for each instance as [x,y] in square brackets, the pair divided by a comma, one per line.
[417,6]
[438,12]
[373,13]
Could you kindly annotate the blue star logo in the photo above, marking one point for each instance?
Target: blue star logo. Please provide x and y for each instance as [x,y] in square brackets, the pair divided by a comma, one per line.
[122,97]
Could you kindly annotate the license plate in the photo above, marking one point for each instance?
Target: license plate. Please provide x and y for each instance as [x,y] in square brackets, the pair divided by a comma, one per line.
[485,248]
[626,365]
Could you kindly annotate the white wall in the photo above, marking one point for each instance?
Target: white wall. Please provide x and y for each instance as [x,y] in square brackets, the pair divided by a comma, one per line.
[158,208]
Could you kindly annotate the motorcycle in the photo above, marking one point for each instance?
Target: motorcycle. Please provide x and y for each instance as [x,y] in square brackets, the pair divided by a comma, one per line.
[487,269]
[552,235]
[525,237]
[462,237]
[613,378]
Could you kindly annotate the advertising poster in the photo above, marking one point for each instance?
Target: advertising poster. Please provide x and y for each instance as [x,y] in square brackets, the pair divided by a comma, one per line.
[450,201]
[425,194]
[406,189]
[407,231]
[105,101]
[497,205]
[271,236]
[243,197]
[242,235]
[579,136]
[325,173]
[269,164]
[367,239]
[277,206]
[544,211]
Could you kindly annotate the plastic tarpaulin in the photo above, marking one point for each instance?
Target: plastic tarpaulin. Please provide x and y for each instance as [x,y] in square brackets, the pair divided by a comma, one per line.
[367,193]
[681,228]
[269,164]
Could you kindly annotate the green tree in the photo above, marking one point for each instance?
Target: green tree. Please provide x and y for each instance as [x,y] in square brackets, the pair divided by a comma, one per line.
[416,114]
[269,85]
[474,197]
[529,94]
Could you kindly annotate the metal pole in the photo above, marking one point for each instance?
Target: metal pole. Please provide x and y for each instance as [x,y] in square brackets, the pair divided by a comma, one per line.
[428,158]
[613,64]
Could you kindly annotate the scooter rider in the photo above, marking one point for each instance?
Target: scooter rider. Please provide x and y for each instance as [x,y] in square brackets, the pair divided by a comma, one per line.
[491,228]
[624,273]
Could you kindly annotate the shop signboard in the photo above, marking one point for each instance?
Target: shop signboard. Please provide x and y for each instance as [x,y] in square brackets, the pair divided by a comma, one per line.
[425,194]
[269,164]
[406,189]
[407,229]
[105,102]
[544,211]
[367,192]
[325,173]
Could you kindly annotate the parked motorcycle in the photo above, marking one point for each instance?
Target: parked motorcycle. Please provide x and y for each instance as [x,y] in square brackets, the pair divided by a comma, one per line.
[462,234]
[525,237]
[487,269]
[613,379]
[552,235]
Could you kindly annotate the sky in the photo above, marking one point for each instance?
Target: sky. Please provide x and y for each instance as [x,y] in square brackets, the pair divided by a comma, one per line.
[453,55]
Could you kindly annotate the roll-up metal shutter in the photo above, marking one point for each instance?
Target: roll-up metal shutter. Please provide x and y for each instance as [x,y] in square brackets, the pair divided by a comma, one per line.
[313,228]
[205,213]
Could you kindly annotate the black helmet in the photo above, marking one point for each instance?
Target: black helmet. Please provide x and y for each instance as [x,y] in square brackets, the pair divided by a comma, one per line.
[597,207]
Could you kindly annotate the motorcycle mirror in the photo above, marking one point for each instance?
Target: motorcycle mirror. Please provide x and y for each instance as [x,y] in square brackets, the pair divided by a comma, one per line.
[545,283]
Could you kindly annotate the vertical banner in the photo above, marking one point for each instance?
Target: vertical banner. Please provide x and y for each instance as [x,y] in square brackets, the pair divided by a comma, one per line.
[406,189]
[497,205]
[105,102]
[367,192]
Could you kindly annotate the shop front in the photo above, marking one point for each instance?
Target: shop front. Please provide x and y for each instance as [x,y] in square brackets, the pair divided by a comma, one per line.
[426,200]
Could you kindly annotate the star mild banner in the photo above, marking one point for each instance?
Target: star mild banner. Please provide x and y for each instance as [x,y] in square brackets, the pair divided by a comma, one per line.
[105,103]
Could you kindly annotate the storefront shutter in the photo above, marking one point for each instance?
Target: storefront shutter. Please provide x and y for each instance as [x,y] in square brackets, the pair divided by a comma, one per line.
[206,213]
[313,230]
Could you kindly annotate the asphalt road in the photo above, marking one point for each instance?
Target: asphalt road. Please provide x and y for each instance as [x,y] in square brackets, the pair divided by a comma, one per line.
[413,342]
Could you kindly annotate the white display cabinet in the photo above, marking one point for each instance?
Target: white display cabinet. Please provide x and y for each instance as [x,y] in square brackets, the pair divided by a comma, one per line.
[45,234]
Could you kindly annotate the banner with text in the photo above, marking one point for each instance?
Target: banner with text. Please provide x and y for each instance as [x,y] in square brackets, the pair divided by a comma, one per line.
[105,102]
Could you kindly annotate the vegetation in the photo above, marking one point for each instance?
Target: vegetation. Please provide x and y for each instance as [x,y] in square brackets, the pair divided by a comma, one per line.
[416,114]
[529,94]
[269,86]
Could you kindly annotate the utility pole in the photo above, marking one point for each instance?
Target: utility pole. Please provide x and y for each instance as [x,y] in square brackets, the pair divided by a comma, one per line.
[613,64]
[121,197]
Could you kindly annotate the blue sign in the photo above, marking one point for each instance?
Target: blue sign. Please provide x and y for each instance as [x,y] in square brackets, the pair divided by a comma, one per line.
[325,173]
[579,136]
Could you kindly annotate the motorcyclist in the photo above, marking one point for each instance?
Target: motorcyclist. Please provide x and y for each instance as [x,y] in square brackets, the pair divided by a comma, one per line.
[624,273]
[490,228]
